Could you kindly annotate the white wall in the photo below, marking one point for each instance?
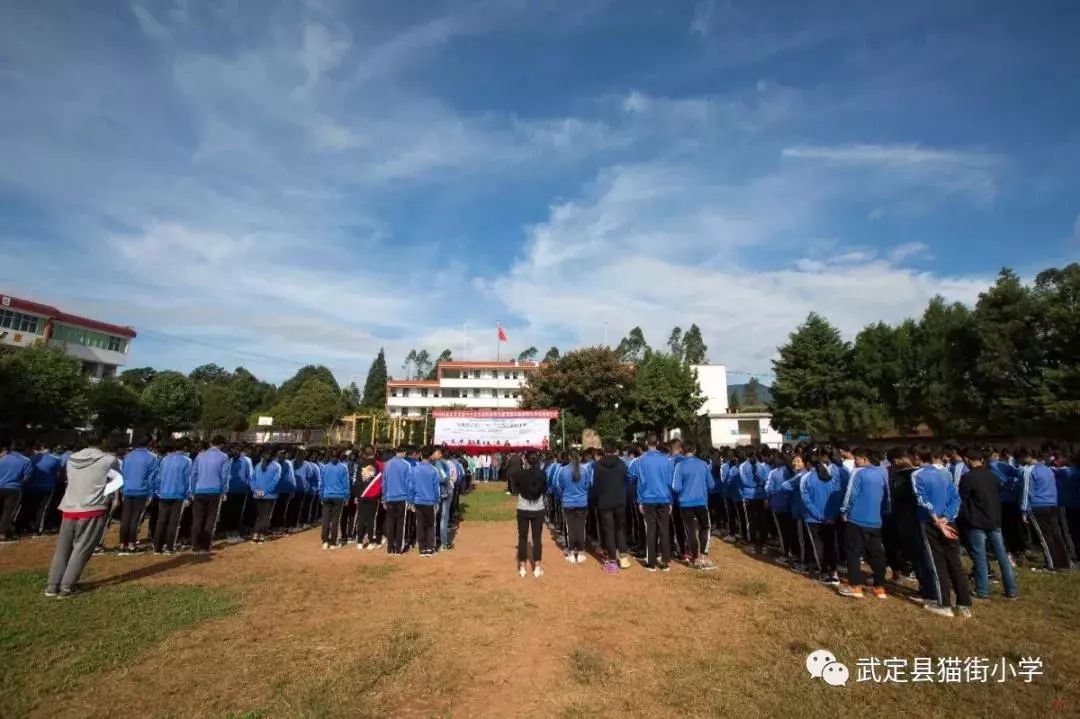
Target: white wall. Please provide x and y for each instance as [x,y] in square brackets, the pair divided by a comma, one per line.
[713,381]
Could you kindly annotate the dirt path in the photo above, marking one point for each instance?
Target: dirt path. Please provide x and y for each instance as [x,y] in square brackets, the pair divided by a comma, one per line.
[348,633]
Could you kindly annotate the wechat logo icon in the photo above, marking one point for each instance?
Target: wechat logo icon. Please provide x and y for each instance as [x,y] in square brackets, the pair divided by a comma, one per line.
[822,664]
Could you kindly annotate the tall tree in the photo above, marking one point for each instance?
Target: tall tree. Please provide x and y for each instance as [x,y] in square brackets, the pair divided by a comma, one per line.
[42,388]
[1058,293]
[633,347]
[251,393]
[209,374]
[811,376]
[665,394]
[114,406]
[552,355]
[445,356]
[422,364]
[375,385]
[734,405]
[350,397]
[750,393]
[694,349]
[947,351]
[316,405]
[292,385]
[138,377]
[585,381]
[172,401]
[407,365]
[675,343]
[220,409]
[528,355]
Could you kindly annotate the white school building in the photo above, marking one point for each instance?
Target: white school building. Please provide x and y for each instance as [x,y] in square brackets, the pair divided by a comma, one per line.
[728,428]
[465,385]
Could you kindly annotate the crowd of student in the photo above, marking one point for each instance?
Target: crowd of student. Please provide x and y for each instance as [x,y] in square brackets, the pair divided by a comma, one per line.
[822,510]
[190,493]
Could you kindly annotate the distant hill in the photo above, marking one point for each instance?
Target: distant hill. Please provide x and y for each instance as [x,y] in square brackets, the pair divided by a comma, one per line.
[764,393]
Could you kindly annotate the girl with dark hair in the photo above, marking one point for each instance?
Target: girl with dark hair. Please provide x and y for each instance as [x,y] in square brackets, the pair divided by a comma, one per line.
[264,488]
[575,481]
[531,484]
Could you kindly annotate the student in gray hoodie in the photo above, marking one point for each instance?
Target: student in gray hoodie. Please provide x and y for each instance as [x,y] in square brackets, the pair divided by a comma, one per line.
[84,509]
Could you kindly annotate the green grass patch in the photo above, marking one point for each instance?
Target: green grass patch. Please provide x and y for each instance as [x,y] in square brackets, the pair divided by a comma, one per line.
[489,503]
[376,572]
[591,668]
[51,646]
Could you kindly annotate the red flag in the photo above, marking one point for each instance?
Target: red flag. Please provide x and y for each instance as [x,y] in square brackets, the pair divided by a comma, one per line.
[502,333]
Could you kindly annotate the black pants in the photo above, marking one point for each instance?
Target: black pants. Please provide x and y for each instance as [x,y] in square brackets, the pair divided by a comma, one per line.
[32,511]
[678,530]
[859,541]
[695,529]
[735,523]
[822,540]
[756,520]
[366,524]
[292,512]
[789,540]
[613,531]
[1071,525]
[949,575]
[348,519]
[716,510]
[131,515]
[9,504]
[657,527]
[525,520]
[1046,525]
[331,520]
[575,528]
[264,512]
[204,514]
[896,556]
[425,527]
[395,527]
[232,514]
[167,528]
[281,509]
[1013,529]
[635,525]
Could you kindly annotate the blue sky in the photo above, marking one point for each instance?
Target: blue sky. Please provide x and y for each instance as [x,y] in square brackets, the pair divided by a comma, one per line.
[280,183]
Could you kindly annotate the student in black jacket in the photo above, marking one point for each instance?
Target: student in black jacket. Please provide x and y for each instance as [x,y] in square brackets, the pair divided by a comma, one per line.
[980,517]
[609,486]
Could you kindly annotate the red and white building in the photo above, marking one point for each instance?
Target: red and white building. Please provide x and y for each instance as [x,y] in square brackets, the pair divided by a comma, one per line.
[469,385]
[100,347]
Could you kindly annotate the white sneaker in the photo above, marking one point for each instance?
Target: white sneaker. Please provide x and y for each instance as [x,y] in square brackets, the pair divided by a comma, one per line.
[937,609]
[326,545]
[581,558]
[538,572]
[521,572]
[570,557]
[380,545]
[360,547]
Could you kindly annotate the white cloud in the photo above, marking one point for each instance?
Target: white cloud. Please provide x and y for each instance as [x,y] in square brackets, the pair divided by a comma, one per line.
[910,250]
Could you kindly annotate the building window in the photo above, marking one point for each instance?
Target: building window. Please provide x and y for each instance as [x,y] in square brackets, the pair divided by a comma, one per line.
[115,344]
[393,393]
[19,322]
[405,392]
[108,370]
[476,393]
[506,395]
[423,392]
[476,374]
[506,375]
[515,374]
[88,338]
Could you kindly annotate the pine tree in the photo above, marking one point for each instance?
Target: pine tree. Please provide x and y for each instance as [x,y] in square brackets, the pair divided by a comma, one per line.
[811,380]
[693,346]
[375,385]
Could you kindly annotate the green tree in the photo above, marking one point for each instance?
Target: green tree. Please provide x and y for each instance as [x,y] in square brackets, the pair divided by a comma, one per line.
[251,393]
[445,356]
[422,364]
[172,401]
[209,374]
[611,425]
[675,343]
[375,385]
[114,406]
[694,349]
[407,365]
[750,392]
[811,380]
[552,355]
[734,405]
[350,397]
[633,347]
[1058,293]
[138,377]
[878,360]
[585,381]
[292,385]
[42,388]
[665,394]
[528,355]
[220,409]
[316,405]
[947,351]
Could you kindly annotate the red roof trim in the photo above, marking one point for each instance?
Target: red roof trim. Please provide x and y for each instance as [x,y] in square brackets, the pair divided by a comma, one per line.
[413,382]
[51,312]
[518,365]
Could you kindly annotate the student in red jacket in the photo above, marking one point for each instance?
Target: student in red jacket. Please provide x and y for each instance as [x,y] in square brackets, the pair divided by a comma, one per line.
[367,494]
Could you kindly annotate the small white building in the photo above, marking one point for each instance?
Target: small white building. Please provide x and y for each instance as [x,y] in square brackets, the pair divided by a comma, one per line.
[466,385]
[731,429]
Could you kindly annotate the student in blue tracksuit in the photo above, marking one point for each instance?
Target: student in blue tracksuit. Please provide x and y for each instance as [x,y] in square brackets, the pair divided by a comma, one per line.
[691,482]
[395,500]
[821,496]
[1038,502]
[232,513]
[279,521]
[265,477]
[1068,482]
[752,494]
[299,507]
[173,483]
[574,482]
[335,489]
[866,503]
[780,502]
[733,500]
[209,486]
[15,470]
[424,483]
[654,472]
[1013,527]
[140,473]
[790,489]
[39,490]
[938,503]
[957,467]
